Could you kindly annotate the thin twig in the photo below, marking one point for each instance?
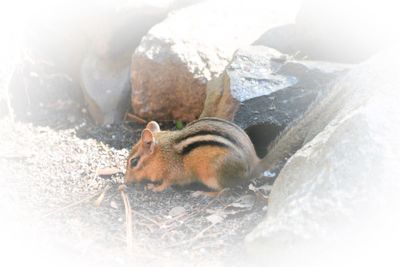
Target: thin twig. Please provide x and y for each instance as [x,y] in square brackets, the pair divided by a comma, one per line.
[100,199]
[128,218]
[134,118]
[103,146]
[196,237]
[71,205]
[147,218]
[201,233]
[187,216]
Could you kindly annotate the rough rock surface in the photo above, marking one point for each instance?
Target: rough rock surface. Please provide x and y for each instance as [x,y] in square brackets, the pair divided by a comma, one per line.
[336,30]
[37,90]
[106,88]
[105,70]
[263,91]
[34,75]
[337,197]
[174,61]
[8,59]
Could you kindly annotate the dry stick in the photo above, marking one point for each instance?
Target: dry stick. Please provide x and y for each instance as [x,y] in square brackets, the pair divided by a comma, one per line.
[147,218]
[74,204]
[196,237]
[128,218]
[132,117]
[193,214]
[144,251]
[98,201]
[188,216]
[201,233]
[103,146]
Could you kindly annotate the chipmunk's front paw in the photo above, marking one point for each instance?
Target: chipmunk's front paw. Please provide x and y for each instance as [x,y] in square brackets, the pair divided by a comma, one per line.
[158,188]
[150,186]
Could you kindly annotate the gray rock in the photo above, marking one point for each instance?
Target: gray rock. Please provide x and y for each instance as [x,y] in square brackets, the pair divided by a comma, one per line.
[37,93]
[114,35]
[339,193]
[36,79]
[263,91]
[282,38]
[105,75]
[9,58]
[174,61]
[337,31]
[215,218]
[106,89]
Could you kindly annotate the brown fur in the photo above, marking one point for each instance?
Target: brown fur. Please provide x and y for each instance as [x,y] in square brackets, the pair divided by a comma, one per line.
[211,151]
[204,163]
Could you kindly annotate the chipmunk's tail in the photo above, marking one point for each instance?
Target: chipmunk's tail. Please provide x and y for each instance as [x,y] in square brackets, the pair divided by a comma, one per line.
[265,164]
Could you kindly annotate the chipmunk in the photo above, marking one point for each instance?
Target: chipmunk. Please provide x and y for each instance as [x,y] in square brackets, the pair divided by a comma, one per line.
[212,151]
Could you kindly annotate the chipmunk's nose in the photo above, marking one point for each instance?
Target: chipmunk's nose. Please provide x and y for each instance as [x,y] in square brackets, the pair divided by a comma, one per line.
[128,179]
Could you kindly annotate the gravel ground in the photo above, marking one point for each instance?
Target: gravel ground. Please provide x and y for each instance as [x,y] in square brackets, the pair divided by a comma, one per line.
[50,184]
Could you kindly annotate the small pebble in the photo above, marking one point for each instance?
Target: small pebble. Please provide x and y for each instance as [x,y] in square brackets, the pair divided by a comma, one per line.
[113,204]
[176,211]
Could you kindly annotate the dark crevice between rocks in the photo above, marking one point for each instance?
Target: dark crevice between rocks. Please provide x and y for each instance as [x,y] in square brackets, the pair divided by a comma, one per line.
[261,135]
[45,96]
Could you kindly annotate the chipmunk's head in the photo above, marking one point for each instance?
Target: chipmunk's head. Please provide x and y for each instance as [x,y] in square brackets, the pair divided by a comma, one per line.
[144,161]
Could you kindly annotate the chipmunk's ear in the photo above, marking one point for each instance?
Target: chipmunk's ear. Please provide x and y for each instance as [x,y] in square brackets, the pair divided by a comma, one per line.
[148,141]
[153,126]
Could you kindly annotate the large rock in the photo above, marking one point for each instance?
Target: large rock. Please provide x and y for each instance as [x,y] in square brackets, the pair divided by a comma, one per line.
[41,86]
[9,58]
[263,91]
[174,61]
[115,33]
[47,48]
[336,200]
[55,57]
[105,70]
[106,89]
[340,31]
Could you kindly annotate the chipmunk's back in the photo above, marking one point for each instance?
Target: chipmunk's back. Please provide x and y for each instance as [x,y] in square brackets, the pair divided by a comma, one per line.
[215,131]
[224,148]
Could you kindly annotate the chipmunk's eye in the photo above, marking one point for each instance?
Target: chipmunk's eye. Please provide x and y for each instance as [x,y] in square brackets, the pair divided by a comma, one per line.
[134,162]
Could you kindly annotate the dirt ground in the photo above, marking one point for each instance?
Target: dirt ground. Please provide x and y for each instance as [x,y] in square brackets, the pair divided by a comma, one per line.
[49,188]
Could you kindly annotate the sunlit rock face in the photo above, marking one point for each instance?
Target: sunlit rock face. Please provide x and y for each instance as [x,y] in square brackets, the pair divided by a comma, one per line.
[105,69]
[338,195]
[75,49]
[340,31]
[114,36]
[175,60]
[263,90]
[106,88]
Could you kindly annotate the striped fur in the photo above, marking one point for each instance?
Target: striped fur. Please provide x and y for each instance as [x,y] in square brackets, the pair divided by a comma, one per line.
[209,132]
[187,145]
